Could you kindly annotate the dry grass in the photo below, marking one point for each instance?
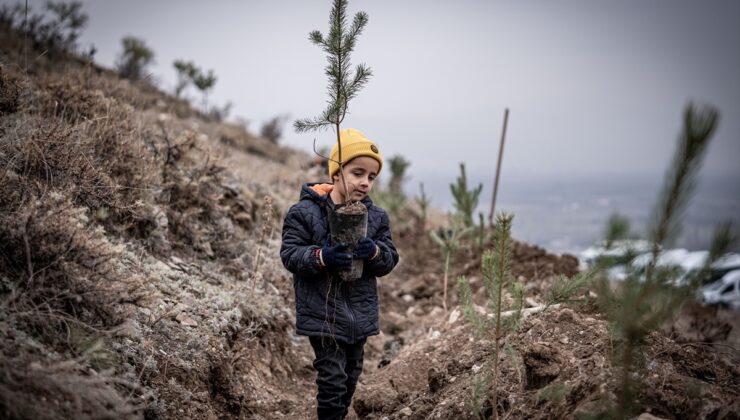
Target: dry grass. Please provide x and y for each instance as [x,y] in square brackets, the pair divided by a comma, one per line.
[125,247]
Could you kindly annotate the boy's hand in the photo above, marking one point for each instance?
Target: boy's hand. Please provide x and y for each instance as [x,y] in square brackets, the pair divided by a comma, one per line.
[366,249]
[335,257]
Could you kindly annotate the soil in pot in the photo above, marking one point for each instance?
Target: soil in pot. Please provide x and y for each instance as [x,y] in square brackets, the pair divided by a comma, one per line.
[348,224]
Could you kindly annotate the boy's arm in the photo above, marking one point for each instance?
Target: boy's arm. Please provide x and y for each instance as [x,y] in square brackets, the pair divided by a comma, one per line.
[297,252]
[387,256]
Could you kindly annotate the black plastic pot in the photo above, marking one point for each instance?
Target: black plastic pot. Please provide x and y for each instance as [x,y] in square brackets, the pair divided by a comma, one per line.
[349,225]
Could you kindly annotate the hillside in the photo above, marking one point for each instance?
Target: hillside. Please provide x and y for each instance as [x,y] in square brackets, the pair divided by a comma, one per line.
[140,278]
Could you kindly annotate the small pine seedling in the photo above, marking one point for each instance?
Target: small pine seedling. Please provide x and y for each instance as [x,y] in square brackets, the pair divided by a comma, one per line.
[422,200]
[516,362]
[646,300]
[449,240]
[565,290]
[617,228]
[398,165]
[477,396]
[185,70]
[465,200]
[392,197]
[481,235]
[723,240]
[496,275]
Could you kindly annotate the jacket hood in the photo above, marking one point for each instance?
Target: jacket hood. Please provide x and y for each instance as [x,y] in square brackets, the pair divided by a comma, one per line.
[309,192]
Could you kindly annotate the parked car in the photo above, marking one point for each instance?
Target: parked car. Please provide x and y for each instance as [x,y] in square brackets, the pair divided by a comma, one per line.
[620,251]
[633,256]
[724,292]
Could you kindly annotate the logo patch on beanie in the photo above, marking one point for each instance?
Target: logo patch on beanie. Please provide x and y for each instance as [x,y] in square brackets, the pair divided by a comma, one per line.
[373,148]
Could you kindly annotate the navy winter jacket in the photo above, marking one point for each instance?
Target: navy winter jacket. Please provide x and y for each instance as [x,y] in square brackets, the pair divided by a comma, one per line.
[325,306]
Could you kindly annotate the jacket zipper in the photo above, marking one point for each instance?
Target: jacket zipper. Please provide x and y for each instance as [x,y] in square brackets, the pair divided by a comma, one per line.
[341,285]
[345,299]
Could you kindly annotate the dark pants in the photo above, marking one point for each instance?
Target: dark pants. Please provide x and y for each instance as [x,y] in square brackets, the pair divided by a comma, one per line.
[339,366]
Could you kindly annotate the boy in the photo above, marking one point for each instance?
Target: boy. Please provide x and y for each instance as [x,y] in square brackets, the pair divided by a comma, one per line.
[338,316]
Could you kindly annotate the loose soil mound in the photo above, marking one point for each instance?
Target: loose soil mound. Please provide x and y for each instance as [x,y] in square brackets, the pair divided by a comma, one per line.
[556,365]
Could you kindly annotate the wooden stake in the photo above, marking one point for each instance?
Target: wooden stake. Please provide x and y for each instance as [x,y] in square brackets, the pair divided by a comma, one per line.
[498,168]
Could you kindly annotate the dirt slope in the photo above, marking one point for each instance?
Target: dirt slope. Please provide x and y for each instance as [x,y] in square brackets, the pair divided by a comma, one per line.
[140,278]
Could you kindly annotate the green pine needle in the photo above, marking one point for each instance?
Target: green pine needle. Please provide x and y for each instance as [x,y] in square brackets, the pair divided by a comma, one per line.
[465,200]
[344,84]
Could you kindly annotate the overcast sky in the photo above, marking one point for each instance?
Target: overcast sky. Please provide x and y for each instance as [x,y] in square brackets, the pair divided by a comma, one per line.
[595,88]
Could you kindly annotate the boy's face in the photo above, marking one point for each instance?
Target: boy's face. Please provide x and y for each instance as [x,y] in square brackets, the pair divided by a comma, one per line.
[360,174]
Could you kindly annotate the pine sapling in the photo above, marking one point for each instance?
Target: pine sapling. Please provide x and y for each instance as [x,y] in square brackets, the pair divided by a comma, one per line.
[496,266]
[186,71]
[423,202]
[699,125]
[481,235]
[382,197]
[501,273]
[565,290]
[190,74]
[646,300]
[477,393]
[398,166]
[343,83]
[465,200]
[516,362]
[617,228]
[518,295]
[449,240]
[392,197]
[204,82]
[465,295]
[723,240]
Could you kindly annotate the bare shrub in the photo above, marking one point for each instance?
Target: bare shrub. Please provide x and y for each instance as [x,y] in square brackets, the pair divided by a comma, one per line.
[272,130]
[53,256]
[133,61]
[10,91]
[219,113]
[55,29]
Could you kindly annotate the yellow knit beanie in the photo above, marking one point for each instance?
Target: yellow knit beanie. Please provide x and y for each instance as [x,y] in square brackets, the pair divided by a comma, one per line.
[354,144]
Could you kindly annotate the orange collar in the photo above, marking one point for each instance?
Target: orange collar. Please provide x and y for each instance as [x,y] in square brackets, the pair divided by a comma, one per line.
[322,189]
